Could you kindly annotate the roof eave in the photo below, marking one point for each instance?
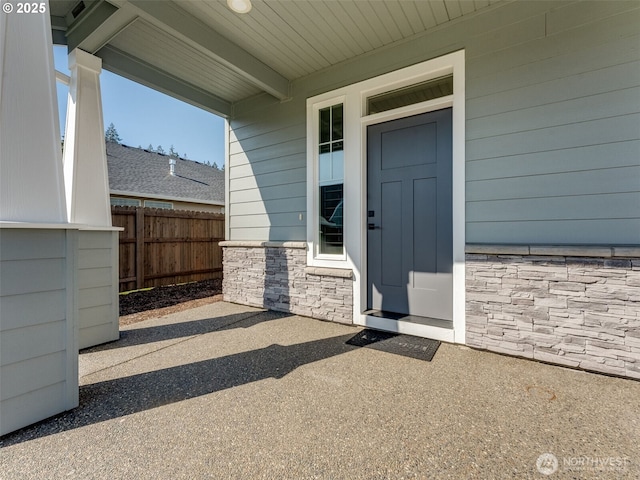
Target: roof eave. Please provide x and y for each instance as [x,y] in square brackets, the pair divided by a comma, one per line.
[155,196]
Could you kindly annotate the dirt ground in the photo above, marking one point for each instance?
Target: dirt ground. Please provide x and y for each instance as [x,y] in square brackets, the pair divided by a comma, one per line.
[159,301]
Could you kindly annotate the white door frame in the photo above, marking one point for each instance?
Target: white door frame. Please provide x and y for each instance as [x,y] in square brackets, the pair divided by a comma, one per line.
[354,98]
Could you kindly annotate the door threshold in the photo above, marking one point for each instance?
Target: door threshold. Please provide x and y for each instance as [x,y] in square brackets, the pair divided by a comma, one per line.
[432,328]
[403,317]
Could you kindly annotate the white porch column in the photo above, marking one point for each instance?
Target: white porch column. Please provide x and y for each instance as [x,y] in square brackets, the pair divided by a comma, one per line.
[38,247]
[87,195]
[85,158]
[31,177]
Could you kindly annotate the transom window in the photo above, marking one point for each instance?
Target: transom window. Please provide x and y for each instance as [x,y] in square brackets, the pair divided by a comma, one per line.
[416,93]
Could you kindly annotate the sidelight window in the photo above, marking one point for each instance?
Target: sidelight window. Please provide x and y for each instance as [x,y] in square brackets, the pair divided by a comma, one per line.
[330,180]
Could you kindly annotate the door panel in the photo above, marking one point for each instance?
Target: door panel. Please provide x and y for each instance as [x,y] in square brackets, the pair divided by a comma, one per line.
[409,146]
[410,225]
[424,235]
[391,199]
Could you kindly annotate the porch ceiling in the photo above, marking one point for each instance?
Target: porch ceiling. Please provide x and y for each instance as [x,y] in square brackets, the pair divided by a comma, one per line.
[205,54]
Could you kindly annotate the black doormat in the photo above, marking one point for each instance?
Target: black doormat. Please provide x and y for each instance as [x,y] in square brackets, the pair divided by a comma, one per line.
[406,345]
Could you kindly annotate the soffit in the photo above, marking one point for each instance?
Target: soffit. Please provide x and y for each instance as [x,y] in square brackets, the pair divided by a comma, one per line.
[167,53]
[297,38]
[207,55]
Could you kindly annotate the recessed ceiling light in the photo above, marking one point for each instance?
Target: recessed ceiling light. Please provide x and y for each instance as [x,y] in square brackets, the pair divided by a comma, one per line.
[239,6]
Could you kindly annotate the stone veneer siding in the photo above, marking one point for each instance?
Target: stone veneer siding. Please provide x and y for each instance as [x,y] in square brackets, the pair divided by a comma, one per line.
[578,307]
[275,275]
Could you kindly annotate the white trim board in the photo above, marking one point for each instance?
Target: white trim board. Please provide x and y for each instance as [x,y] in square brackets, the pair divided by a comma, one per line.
[168,198]
[354,99]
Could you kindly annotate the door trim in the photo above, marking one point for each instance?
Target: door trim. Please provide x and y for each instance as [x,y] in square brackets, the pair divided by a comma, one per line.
[457,103]
[455,335]
[356,122]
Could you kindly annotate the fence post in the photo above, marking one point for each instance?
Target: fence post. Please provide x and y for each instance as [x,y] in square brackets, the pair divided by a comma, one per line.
[139,247]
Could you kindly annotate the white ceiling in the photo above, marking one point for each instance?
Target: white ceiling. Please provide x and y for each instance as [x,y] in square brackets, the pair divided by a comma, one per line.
[205,54]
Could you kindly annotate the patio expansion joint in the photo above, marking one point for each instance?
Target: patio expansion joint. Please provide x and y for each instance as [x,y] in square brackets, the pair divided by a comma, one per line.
[186,339]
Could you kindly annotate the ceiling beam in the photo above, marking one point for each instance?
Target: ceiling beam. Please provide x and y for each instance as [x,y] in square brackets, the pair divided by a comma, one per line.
[133,68]
[192,31]
[87,22]
[107,30]
[58,30]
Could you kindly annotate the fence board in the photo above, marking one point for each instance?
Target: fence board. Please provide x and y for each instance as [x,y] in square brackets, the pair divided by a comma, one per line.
[164,247]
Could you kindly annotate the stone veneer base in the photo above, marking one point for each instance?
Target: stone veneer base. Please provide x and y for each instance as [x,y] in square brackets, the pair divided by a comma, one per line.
[275,275]
[573,306]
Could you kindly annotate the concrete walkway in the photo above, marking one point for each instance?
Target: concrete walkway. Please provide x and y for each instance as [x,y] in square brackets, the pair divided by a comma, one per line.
[226,391]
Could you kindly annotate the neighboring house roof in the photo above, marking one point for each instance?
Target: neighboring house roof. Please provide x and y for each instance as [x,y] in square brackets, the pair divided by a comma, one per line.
[134,171]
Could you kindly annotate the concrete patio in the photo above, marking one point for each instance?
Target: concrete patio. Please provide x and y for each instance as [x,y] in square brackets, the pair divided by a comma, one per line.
[227,391]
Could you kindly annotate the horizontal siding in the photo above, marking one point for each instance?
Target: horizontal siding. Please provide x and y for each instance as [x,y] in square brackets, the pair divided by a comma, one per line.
[98,288]
[17,412]
[284,163]
[568,232]
[34,329]
[24,343]
[594,132]
[552,131]
[287,219]
[591,207]
[589,182]
[247,126]
[269,179]
[31,374]
[94,258]
[265,194]
[94,277]
[557,114]
[31,244]
[264,206]
[590,157]
[27,310]
[255,142]
[267,174]
[570,87]
[88,240]
[294,146]
[260,233]
[530,56]
[96,296]
[93,317]
[19,277]
[577,14]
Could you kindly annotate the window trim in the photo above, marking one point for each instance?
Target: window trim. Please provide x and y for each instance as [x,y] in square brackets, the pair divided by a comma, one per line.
[355,121]
[169,206]
[112,198]
[314,257]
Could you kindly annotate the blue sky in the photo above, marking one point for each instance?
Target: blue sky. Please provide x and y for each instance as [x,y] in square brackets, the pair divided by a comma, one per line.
[143,116]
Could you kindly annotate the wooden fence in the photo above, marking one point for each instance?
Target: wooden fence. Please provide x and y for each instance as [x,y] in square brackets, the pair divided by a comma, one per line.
[165,247]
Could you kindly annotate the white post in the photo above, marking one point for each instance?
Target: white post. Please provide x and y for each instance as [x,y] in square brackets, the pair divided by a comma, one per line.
[38,247]
[85,158]
[31,177]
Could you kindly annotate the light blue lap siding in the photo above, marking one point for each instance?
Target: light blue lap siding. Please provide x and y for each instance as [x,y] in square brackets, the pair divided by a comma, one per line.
[552,131]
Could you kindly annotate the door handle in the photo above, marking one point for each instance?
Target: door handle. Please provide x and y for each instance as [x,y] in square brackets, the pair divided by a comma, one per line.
[372,226]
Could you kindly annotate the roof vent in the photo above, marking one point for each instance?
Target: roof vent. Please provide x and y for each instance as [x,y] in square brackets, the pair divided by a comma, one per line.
[172,166]
[78,9]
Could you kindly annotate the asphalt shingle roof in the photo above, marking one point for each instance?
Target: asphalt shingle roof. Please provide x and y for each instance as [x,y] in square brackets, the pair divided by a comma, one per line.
[140,171]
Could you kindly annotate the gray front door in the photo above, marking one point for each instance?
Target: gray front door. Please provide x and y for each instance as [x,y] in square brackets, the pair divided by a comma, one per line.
[409,216]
